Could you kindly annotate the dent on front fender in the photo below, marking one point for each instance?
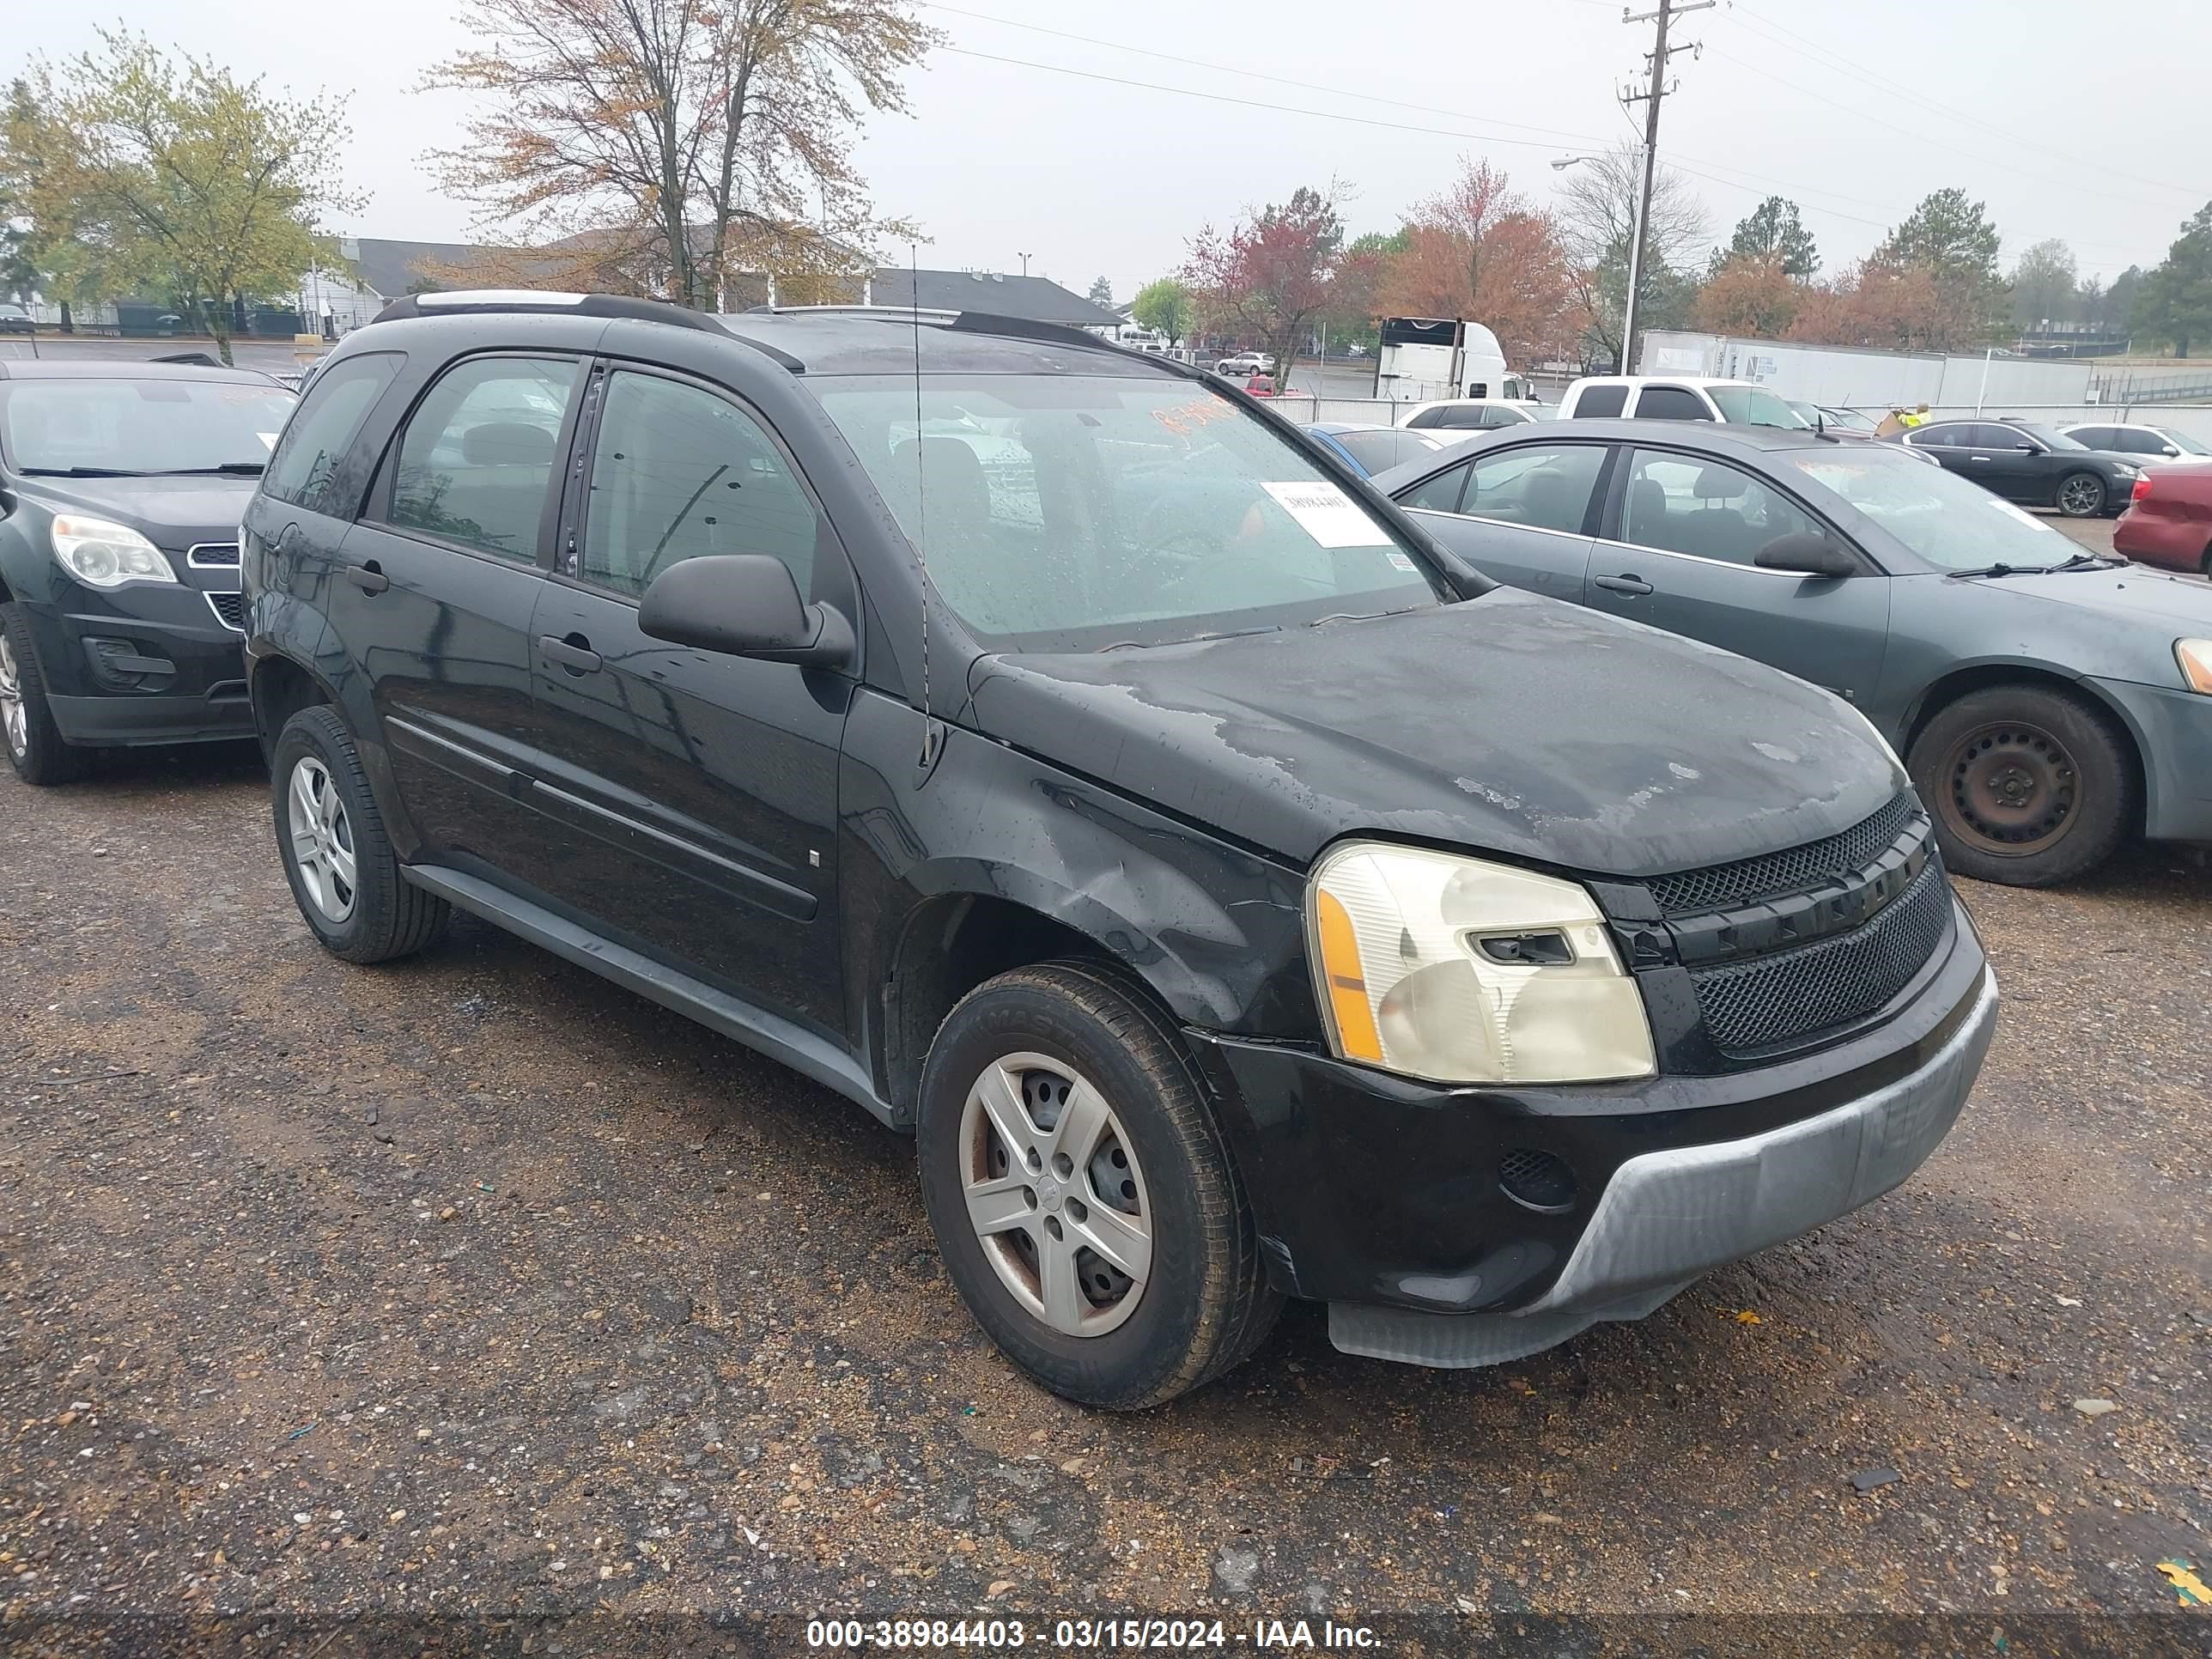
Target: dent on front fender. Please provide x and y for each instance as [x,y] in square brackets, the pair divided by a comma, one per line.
[1215,931]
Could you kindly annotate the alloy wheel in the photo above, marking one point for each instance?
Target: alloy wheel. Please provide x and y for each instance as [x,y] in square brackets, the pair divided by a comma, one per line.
[322,839]
[14,715]
[2013,788]
[2081,495]
[1054,1192]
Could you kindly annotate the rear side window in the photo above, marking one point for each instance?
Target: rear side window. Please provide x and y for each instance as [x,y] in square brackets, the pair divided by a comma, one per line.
[678,473]
[1544,486]
[480,451]
[1671,403]
[1940,437]
[2102,437]
[1601,400]
[320,434]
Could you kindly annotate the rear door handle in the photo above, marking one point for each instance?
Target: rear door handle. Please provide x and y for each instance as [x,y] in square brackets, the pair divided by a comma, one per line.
[573,653]
[1978,458]
[366,577]
[1621,583]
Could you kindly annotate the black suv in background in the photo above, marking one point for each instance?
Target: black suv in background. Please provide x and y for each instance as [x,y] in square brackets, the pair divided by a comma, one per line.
[121,484]
[1054,751]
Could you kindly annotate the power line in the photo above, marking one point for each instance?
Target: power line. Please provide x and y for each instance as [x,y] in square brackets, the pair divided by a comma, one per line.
[1836,61]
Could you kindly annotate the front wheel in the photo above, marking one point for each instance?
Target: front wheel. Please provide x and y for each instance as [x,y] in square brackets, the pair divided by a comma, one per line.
[2029,785]
[2081,495]
[35,746]
[1086,1204]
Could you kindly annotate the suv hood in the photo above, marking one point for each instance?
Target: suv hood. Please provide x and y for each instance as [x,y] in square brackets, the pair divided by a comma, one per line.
[1509,723]
[174,513]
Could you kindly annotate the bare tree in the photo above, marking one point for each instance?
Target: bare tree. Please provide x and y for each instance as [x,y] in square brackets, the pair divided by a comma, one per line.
[666,144]
[1597,218]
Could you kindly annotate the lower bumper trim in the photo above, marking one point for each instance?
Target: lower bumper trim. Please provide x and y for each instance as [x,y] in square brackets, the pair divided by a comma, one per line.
[1466,1341]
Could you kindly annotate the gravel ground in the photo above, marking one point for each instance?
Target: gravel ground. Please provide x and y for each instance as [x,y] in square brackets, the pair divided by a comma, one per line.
[473,1287]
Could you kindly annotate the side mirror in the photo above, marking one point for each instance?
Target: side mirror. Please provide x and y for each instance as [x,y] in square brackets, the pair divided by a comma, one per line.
[2168,451]
[2026,448]
[744,605]
[1808,554]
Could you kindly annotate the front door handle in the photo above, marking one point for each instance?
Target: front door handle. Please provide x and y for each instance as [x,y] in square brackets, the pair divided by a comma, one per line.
[1621,583]
[573,653]
[1978,458]
[368,577]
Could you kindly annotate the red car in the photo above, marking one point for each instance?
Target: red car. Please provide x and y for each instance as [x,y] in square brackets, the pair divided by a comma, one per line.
[1262,386]
[2169,520]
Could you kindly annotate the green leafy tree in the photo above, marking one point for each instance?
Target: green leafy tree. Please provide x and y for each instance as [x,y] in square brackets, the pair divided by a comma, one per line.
[2174,304]
[141,172]
[1953,239]
[2045,286]
[1771,234]
[1102,292]
[1166,308]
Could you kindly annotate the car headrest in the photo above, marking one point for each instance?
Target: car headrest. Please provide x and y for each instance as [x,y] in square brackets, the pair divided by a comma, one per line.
[507,443]
[1718,483]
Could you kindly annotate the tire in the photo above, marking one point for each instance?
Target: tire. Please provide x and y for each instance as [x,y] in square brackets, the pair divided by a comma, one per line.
[1202,1302]
[344,876]
[2028,786]
[36,748]
[2081,495]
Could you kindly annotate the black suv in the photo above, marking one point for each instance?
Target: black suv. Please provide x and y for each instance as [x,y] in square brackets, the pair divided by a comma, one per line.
[121,485]
[1054,752]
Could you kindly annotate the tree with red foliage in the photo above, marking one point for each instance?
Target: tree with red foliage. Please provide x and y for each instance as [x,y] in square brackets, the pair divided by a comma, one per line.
[1873,303]
[1750,294]
[1477,249]
[1272,276]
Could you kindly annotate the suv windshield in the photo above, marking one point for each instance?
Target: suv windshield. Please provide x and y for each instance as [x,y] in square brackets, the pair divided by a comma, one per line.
[143,426]
[1951,522]
[1075,512]
[1753,405]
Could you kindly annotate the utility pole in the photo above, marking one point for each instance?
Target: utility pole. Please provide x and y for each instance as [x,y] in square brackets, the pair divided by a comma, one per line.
[1640,231]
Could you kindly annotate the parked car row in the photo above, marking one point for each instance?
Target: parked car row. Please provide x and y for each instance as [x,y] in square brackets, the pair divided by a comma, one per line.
[1243,882]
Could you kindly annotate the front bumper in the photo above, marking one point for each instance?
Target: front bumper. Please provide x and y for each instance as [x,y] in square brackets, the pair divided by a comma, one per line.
[144,663]
[2172,729]
[1383,1197]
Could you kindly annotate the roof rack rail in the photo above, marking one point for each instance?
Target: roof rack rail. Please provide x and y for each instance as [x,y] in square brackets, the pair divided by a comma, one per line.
[886,313]
[466,301]
[987,322]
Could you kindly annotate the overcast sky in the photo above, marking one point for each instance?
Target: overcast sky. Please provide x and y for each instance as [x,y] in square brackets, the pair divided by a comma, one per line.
[2083,122]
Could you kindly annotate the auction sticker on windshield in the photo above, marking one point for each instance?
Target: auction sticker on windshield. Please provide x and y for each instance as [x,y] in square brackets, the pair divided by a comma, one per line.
[1327,514]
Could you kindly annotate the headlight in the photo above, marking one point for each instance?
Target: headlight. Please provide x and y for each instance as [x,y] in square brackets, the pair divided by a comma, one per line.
[1463,971]
[2195,657]
[103,555]
[2127,471]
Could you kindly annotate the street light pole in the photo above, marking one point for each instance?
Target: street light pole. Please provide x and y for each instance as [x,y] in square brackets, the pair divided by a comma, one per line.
[1024,258]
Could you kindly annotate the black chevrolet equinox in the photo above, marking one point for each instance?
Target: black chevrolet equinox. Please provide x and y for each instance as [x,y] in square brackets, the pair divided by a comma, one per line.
[1050,748]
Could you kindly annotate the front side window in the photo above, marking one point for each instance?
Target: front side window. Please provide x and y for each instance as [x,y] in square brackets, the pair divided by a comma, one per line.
[1441,493]
[1680,504]
[1544,486]
[142,428]
[677,473]
[324,428]
[1670,403]
[1077,513]
[477,461]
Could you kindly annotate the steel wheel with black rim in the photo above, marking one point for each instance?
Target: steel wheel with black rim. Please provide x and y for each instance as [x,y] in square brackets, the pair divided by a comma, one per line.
[1084,1200]
[345,875]
[2029,785]
[35,746]
[2081,495]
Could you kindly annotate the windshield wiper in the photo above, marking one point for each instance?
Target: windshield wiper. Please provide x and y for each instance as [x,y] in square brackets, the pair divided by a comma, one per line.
[240,469]
[80,472]
[2001,570]
[1194,639]
[2089,561]
[1355,615]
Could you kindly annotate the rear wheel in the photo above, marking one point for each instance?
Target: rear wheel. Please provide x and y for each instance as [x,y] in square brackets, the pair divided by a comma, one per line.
[1085,1201]
[35,746]
[2029,785]
[2080,495]
[345,875]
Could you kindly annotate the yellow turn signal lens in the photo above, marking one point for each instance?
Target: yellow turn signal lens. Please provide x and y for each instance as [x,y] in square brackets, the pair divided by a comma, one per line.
[1346,979]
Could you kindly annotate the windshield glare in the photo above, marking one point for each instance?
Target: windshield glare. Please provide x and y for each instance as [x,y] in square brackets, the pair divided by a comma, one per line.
[1753,406]
[2181,441]
[1065,513]
[141,425]
[1951,522]
[2046,435]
